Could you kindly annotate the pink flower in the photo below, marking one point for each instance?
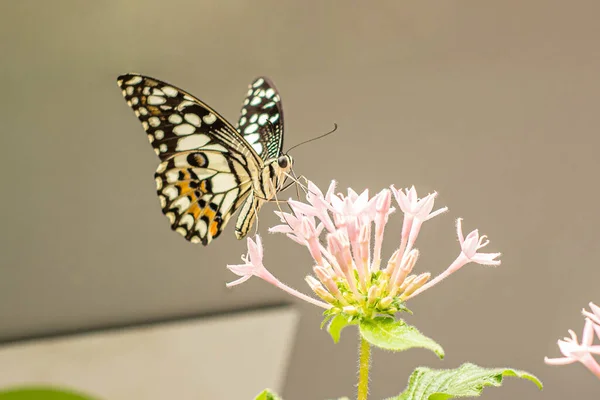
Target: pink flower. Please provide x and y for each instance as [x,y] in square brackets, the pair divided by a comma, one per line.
[416,211]
[573,351]
[468,253]
[253,266]
[344,235]
[472,244]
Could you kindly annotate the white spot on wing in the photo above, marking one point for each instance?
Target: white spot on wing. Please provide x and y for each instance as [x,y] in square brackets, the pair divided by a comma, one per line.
[192,142]
[255,101]
[258,82]
[274,118]
[251,128]
[258,147]
[169,91]
[158,134]
[171,217]
[209,118]
[270,92]
[161,167]
[195,239]
[187,220]
[129,90]
[182,204]
[202,227]
[253,118]
[192,119]
[134,81]
[263,119]
[252,138]
[175,118]
[171,192]
[184,129]
[163,148]
[158,183]
[154,121]
[156,100]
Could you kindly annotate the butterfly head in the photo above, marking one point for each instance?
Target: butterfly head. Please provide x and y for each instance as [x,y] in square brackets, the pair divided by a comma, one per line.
[285,162]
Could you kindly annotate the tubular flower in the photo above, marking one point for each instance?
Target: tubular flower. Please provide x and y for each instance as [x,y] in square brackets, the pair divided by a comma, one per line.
[583,352]
[344,236]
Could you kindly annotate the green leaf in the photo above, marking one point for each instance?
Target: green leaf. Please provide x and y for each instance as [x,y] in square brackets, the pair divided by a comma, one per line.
[41,393]
[336,325]
[267,395]
[468,380]
[389,334]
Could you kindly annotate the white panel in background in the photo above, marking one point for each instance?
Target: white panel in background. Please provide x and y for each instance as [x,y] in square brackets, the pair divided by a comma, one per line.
[230,357]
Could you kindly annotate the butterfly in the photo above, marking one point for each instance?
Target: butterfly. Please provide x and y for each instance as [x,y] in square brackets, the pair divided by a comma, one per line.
[208,168]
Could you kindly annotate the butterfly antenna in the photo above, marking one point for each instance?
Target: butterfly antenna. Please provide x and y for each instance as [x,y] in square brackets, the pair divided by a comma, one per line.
[335,126]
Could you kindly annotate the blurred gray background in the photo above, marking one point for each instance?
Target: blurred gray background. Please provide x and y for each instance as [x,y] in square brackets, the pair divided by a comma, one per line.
[493,104]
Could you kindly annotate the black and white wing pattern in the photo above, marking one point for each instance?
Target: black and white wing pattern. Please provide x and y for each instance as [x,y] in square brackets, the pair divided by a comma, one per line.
[206,167]
[261,119]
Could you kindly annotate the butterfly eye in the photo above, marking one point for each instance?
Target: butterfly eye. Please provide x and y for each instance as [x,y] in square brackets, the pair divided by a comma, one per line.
[282,162]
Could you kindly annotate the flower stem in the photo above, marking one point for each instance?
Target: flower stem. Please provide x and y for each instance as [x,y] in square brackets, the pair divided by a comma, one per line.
[363,369]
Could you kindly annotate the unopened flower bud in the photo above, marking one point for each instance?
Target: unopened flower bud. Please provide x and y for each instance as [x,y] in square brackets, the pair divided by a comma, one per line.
[385,302]
[350,310]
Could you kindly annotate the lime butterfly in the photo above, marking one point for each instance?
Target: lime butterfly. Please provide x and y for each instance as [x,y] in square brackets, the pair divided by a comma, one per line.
[208,168]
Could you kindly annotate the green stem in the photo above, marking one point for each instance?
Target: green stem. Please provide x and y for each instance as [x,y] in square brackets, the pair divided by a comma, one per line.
[364,364]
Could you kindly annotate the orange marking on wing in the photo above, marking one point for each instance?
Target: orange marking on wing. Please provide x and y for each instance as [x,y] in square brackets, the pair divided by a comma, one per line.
[209,213]
[154,110]
[214,228]
[203,186]
[184,188]
[195,210]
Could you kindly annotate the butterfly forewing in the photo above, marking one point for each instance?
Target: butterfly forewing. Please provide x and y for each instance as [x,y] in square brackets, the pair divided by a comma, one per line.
[207,166]
[261,119]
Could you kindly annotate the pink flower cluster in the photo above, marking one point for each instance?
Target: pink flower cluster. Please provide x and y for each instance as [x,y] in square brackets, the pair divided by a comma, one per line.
[573,351]
[344,235]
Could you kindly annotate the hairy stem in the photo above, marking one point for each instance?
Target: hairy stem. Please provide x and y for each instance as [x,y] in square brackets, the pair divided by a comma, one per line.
[364,364]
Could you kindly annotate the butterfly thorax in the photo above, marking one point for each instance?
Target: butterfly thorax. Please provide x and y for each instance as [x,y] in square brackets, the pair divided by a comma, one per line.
[273,176]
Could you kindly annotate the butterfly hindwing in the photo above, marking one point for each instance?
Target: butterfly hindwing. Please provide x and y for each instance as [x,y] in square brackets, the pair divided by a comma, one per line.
[199,191]
[261,119]
[207,166]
